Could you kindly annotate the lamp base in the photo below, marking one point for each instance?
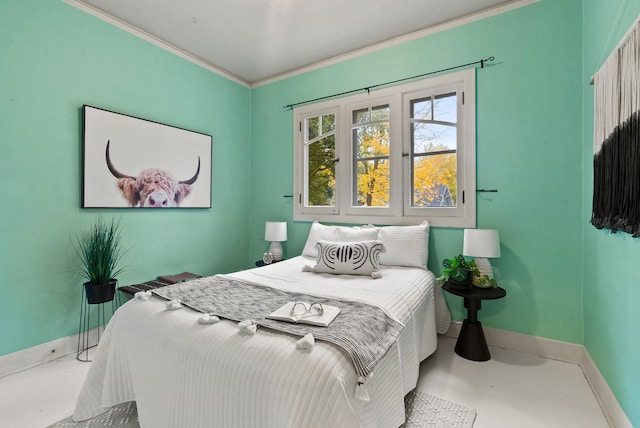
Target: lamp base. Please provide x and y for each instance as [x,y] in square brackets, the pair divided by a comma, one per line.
[276,249]
[484,266]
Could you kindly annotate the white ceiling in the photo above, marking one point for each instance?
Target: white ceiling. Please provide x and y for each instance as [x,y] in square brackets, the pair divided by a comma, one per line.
[253,41]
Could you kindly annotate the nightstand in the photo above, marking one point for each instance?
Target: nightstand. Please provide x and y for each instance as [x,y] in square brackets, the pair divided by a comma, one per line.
[471,343]
[260,263]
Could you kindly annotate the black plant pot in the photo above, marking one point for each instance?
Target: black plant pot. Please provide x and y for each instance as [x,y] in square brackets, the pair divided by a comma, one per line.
[100,293]
[460,285]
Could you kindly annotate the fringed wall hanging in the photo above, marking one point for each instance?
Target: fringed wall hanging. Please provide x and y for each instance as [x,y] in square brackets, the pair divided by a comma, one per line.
[616,159]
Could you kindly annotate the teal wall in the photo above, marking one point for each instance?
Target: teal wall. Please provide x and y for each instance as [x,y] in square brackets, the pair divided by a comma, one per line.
[528,133]
[611,286]
[53,59]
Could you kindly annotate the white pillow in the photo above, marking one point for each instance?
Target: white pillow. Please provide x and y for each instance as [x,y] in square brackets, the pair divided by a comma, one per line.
[351,258]
[355,234]
[405,245]
[317,232]
[320,231]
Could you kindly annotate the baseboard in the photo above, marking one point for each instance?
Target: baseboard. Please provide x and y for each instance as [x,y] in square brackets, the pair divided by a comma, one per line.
[562,351]
[533,345]
[611,408]
[44,353]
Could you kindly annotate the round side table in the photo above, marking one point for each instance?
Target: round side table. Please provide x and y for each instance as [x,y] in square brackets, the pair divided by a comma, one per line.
[260,263]
[471,343]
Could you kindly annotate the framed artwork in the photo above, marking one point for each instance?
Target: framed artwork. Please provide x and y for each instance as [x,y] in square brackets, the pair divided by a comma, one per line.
[130,162]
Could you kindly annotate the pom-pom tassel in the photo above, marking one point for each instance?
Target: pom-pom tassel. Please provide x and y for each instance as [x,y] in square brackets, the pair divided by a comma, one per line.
[361,390]
[174,304]
[208,319]
[248,326]
[142,295]
[306,343]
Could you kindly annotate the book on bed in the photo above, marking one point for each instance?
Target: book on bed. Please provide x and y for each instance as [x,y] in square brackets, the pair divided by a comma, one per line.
[306,313]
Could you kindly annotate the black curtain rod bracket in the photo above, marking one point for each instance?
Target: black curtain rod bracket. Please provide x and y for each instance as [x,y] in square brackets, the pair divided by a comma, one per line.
[368,88]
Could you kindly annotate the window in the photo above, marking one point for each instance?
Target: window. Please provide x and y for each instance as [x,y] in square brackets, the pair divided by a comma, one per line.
[393,156]
[319,141]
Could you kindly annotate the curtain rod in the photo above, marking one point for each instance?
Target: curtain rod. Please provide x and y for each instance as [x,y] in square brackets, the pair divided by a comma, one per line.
[369,88]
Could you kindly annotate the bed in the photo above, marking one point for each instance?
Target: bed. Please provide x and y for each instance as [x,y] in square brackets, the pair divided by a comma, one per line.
[185,373]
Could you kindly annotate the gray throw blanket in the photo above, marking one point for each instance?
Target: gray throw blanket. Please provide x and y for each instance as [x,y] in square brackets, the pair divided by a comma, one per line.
[364,331]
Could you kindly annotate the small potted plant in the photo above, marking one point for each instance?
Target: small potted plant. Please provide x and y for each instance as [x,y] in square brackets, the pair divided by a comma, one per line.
[457,272]
[100,252]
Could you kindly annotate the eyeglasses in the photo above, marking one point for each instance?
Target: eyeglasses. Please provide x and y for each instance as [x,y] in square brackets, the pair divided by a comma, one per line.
[301,310]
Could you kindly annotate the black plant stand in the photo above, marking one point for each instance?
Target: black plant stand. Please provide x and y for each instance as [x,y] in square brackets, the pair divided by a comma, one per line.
[85,323]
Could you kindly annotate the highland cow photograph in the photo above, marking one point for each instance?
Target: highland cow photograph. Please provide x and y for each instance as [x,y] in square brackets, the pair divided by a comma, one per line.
[130,162]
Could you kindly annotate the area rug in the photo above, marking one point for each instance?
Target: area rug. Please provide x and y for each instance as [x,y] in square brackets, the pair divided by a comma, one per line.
[426,411]
[422,411]
[123,415]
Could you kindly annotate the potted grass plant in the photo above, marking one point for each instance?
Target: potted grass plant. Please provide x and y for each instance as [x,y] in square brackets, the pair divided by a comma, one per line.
[101,254]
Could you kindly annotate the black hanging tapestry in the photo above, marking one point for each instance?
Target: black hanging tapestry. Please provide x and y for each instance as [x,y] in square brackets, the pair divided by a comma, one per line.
[616,160]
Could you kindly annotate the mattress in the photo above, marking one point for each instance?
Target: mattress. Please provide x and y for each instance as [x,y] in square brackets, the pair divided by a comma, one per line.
[185,374]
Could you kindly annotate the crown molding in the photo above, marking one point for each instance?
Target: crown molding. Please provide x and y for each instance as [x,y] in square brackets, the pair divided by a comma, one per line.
[91,10]
[79,4]
[398,40]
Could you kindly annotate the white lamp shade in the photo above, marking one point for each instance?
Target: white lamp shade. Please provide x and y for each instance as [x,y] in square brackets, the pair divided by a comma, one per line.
[481,243]
[275,231]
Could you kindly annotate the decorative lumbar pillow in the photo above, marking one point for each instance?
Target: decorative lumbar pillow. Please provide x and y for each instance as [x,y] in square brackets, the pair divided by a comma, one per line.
[351,258]
[405,245]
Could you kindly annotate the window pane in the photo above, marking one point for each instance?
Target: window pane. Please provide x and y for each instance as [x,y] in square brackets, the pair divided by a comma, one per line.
[421,109]
[372,183]
[446,108]
[380,113]
[371,140]
[371,157]
[434,181]
[328,123]
[430,137]
[322,172]
[361,116]
[312,128]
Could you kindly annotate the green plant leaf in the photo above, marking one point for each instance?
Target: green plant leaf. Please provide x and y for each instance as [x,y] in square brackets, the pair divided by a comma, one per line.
[100,251]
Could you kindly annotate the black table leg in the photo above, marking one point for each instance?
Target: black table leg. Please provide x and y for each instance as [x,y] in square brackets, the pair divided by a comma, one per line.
[471,343]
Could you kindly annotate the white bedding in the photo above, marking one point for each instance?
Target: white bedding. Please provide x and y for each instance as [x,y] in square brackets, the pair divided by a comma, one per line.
[184,374]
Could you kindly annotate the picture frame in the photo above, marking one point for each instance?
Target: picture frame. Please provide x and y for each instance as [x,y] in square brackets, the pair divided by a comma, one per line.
[129,162]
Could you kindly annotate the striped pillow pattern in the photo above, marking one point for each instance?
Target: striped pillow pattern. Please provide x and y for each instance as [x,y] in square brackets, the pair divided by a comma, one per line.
[405,245]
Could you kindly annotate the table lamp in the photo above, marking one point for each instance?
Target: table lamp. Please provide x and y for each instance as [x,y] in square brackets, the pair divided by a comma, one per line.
[482,244]
[276,232]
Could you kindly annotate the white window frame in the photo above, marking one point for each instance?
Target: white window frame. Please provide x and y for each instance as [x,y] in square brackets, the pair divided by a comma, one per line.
[400,211]
[300,158]
[348,166]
